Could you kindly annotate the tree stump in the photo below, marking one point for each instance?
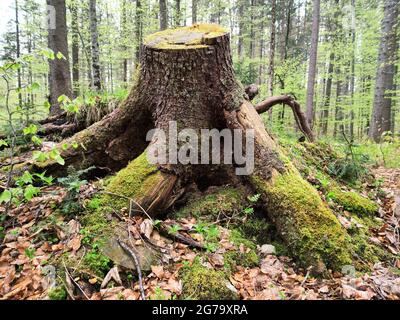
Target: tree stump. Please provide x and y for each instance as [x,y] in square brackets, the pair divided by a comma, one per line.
[186,75]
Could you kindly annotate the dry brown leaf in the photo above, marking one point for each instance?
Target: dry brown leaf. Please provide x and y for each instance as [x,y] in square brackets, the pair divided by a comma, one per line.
[146,228]
[158,271]
[217,260]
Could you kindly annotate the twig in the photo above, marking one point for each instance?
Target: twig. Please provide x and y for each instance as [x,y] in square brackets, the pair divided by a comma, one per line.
[70,276]
[128,250]
[130,203]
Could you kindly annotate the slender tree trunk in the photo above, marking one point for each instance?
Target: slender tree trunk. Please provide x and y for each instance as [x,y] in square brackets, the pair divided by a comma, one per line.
[59,77]
[138,31]
[352,75]
[163,15]
[75,47]
[271,69]
[18,48]
[241,29]
[381,114]
[178,14]
[95,46]
[194,11]
[313,63]
[124,39]
[327,96]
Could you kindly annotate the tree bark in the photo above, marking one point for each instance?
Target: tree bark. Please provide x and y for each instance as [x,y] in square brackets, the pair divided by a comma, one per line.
[272,50]
[202,92]
[194,11]
[313,63]
[380,120]
[163,15]
[59,76]
[138,31]
[124,39]
[75,47]
[178,14]
[94,33]
[18,51]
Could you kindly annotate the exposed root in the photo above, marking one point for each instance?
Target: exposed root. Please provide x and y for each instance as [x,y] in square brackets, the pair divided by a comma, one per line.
[299,116]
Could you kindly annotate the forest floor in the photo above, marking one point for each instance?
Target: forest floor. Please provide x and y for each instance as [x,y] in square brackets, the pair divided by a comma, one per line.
[47,254]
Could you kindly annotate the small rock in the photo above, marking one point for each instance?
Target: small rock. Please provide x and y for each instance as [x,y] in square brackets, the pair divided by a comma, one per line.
[267,249]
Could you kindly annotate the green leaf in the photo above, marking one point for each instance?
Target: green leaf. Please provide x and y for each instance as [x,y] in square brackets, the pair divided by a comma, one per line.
[47,105]
[26,178]
[40,156]
[63,99]
[5,196]
[249,211]
[47,53]
[30,192]
[3,143]
[32,129]
[35,86]
[60,56]
[36,140]
[60,160]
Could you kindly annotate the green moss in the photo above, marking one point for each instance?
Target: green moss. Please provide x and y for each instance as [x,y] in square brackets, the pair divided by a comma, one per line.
[224,200]
[95,261]
[352,201]
[235,258]
[257,230]
[202,283]
[131,181]
[308,227]
[57,293]
[364,249]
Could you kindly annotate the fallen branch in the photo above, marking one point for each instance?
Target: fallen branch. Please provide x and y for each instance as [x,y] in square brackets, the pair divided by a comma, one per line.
[181,238]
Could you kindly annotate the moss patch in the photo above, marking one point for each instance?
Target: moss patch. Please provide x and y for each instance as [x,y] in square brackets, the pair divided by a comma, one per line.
[307,226]
[352,201]
[202,283]
[57,293]
[248,258]
[257,229]
[131,181]
[223,200]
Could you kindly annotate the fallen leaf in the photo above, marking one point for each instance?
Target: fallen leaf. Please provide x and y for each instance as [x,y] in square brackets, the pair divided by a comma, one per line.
[158,271]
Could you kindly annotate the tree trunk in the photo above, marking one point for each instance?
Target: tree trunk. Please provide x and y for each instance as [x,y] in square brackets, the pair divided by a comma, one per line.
[18,53]
[59,76]
[194,11]
[313,63]
[124,39]
[327,97]
[380,120]
[163,15]
[138,31]
[272,50]
[75,47]
[178,15]
[241,29]
[201,92]
[94,33]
